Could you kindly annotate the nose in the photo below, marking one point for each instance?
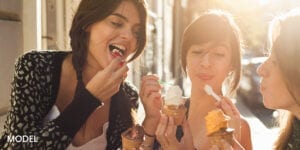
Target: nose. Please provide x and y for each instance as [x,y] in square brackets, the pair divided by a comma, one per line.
[261,70]
[205,60]
[127,34]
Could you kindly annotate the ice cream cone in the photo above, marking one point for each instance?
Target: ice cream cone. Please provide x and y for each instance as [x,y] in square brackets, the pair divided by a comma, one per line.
[226,134]
[132,138]
[177,112]
[174,104]
[217,128]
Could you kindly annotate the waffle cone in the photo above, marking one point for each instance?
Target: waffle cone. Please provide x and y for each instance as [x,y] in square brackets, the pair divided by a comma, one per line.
[177,112]
[224,133]
[129,143]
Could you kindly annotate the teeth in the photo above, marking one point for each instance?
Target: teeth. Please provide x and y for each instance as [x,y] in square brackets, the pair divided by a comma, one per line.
[117,49]
[121,47]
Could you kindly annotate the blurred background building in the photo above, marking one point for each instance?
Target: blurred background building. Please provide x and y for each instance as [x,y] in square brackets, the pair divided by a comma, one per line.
[44,24]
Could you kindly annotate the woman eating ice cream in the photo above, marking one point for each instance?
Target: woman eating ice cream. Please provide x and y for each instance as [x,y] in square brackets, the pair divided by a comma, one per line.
[210,54]
[79,100]
[280,78]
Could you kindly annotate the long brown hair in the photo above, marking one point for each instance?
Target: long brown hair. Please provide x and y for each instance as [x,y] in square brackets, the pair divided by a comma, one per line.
[285,34]
[215,25]
[91,11]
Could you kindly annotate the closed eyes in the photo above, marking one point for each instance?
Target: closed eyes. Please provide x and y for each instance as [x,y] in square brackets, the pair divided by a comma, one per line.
[219,54]
[116,24]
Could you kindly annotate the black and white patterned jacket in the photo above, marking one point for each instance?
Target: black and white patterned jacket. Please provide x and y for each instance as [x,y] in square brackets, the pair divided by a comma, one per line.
[34,91]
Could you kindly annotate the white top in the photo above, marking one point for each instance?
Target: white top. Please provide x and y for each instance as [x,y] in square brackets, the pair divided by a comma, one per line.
[98,143]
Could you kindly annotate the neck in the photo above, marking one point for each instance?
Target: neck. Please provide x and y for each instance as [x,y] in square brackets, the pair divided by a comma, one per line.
[200,103]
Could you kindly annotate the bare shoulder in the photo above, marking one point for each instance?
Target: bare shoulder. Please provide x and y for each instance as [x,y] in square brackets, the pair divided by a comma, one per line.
[244,124]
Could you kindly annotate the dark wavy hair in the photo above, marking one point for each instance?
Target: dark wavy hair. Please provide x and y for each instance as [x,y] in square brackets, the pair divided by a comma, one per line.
[215,26]
[91,11]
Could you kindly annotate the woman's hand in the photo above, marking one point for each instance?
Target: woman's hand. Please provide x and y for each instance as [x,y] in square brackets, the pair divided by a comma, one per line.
[107,82]
[230,109]
[166,135]
[226,146]
[150,94]
[187,139]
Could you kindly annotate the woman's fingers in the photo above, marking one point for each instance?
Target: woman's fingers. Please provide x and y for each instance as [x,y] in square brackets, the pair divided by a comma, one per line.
[166,132]
[160,131]
[150,77]
[118,75]
[187,139]
[149,84]
[171,129]
[226,145]
[156,97]
[112,67]
[150,89]
[107,81]
[232,106]
[186,131]
[214,147]
[228,107]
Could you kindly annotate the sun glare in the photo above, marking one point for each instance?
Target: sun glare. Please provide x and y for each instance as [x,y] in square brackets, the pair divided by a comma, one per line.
[264,2]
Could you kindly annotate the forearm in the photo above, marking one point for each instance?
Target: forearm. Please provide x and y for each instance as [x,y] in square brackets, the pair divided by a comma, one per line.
[150,125]
[83,104]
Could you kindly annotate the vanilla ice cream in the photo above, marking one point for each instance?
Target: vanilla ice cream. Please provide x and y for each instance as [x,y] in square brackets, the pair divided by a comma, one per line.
[174,96]
[174,104]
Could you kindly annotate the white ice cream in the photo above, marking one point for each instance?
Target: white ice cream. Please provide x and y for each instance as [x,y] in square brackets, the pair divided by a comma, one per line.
[174,96]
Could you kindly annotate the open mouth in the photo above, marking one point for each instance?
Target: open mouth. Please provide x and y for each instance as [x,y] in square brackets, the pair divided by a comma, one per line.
[117,50]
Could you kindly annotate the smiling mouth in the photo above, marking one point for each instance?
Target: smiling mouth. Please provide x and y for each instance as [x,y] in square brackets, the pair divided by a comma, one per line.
[116,51]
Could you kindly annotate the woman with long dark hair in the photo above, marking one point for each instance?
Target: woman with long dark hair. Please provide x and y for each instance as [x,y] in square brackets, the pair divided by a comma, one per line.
[78,99]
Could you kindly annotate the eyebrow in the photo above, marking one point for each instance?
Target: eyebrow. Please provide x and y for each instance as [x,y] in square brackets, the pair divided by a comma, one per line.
[120,16]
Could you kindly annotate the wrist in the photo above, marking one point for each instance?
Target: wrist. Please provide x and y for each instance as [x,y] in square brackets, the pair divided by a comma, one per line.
[148,143]
[150,124]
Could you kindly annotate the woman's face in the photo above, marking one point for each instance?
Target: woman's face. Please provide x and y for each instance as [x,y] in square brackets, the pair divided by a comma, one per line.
[272,87]
[116,35]
[209,63]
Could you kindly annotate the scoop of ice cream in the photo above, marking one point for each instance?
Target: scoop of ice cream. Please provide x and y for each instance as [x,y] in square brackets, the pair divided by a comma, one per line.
[215,121]
[174,96]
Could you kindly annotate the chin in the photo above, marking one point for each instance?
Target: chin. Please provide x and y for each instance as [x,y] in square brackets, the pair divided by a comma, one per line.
[267,103]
